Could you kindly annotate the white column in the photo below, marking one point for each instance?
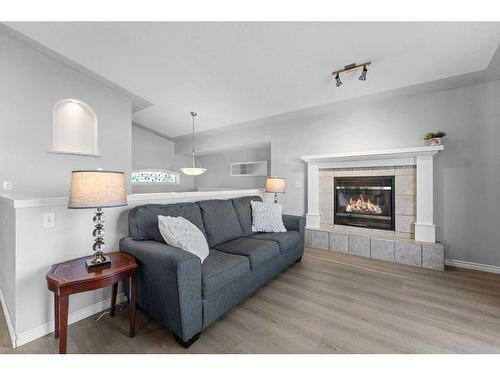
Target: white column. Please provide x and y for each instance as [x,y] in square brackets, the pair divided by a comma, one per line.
[312,216]
[425,230]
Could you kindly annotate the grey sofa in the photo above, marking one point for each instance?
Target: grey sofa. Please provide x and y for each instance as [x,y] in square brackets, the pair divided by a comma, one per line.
[186,296]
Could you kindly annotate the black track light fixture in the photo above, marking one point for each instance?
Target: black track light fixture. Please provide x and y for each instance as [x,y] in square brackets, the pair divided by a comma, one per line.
[350,68]
[339,82]
[362,77]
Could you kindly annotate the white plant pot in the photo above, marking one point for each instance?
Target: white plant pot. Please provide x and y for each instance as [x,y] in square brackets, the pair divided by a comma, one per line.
[435,141]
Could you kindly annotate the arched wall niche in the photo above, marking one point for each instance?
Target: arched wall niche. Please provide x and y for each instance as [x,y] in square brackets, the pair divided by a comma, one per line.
[74,128]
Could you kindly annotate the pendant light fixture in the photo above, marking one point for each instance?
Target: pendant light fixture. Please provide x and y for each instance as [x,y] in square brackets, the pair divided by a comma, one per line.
[193,171]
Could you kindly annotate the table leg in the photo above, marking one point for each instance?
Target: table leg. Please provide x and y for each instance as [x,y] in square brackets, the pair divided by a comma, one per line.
[132,301]
[63,323]
[56,316]
[113,299]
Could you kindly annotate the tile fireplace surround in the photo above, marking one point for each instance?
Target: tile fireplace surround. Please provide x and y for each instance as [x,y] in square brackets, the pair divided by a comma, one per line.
[405,198]
[413,240]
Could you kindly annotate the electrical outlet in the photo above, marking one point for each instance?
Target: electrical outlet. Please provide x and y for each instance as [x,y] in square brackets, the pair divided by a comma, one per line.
[7,185]
[49,220]
[298,184]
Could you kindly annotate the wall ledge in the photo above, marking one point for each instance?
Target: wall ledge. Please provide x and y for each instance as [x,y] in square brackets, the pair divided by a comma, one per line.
[74,153]
[188,196]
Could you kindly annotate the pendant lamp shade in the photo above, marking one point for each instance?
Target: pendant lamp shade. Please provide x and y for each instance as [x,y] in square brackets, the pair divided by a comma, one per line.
[193,171]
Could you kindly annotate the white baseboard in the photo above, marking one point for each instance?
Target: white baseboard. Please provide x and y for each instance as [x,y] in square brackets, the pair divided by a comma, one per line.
[472,266]
[44,329]
[8,319]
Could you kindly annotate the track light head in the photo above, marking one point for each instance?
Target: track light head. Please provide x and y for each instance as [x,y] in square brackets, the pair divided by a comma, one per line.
[337,78]
[362,77]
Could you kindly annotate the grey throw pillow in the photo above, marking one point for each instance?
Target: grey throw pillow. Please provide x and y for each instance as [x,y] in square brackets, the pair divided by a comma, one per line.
[267,217]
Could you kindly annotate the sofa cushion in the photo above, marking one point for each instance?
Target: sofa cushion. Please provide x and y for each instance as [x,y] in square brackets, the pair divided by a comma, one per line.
[258,252]
[285,239]
[143,220]
[244,211]
[220,221]
[220,269]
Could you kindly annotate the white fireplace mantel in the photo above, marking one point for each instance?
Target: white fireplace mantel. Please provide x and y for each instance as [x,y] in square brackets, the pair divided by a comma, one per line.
[422,157]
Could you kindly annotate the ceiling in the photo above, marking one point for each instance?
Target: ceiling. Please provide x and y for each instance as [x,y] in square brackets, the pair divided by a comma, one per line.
[237,72]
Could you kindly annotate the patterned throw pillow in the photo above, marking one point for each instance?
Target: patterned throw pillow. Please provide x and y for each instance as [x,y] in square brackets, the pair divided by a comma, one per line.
[180,232]
[266,217]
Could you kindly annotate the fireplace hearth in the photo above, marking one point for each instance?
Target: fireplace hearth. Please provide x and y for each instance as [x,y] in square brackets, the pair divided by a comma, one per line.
[366,202]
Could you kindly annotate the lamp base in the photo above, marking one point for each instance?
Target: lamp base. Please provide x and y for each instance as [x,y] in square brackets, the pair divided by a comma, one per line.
[91,266]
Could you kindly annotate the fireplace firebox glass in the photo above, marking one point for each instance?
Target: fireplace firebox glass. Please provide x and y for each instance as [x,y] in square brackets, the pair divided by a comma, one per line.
[365,202]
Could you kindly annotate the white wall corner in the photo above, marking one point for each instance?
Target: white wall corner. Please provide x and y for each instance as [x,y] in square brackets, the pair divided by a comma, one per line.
[8,320]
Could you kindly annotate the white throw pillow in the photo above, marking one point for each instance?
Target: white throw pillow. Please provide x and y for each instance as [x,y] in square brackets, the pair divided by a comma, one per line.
[180,232]
[266,217]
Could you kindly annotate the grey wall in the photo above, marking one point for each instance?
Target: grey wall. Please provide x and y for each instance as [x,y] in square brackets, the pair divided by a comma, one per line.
[30,85]
[149,151]
[467,172]
[218,174]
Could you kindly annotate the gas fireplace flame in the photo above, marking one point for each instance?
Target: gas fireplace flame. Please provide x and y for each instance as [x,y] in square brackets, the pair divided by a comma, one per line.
[362,205]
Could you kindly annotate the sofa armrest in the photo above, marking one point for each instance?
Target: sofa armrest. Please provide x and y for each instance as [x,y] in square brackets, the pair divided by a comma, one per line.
[168,285]
[293,222]
[298,224]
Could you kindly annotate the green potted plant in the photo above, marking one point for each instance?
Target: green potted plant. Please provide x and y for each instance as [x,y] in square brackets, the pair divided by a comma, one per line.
[435,138]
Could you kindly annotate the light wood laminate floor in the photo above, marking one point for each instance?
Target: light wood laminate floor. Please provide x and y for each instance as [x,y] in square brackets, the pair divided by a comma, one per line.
[328,303]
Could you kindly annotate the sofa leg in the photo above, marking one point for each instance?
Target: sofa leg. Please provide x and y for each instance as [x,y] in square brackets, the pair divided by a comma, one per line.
[298,260]
[188,343]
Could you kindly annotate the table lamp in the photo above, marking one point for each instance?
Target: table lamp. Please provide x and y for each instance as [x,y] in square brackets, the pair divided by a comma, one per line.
[97,189]
[275,185]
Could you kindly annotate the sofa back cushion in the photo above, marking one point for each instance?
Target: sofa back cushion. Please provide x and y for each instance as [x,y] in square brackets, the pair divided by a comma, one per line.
[244,211]
[220,220]
[143,220]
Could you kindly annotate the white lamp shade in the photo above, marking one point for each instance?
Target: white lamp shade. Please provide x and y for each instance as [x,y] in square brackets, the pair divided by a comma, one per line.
[97,189]
[275,185]
[193,171]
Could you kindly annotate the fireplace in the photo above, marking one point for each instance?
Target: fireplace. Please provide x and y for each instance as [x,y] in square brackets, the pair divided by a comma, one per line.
[364,202]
